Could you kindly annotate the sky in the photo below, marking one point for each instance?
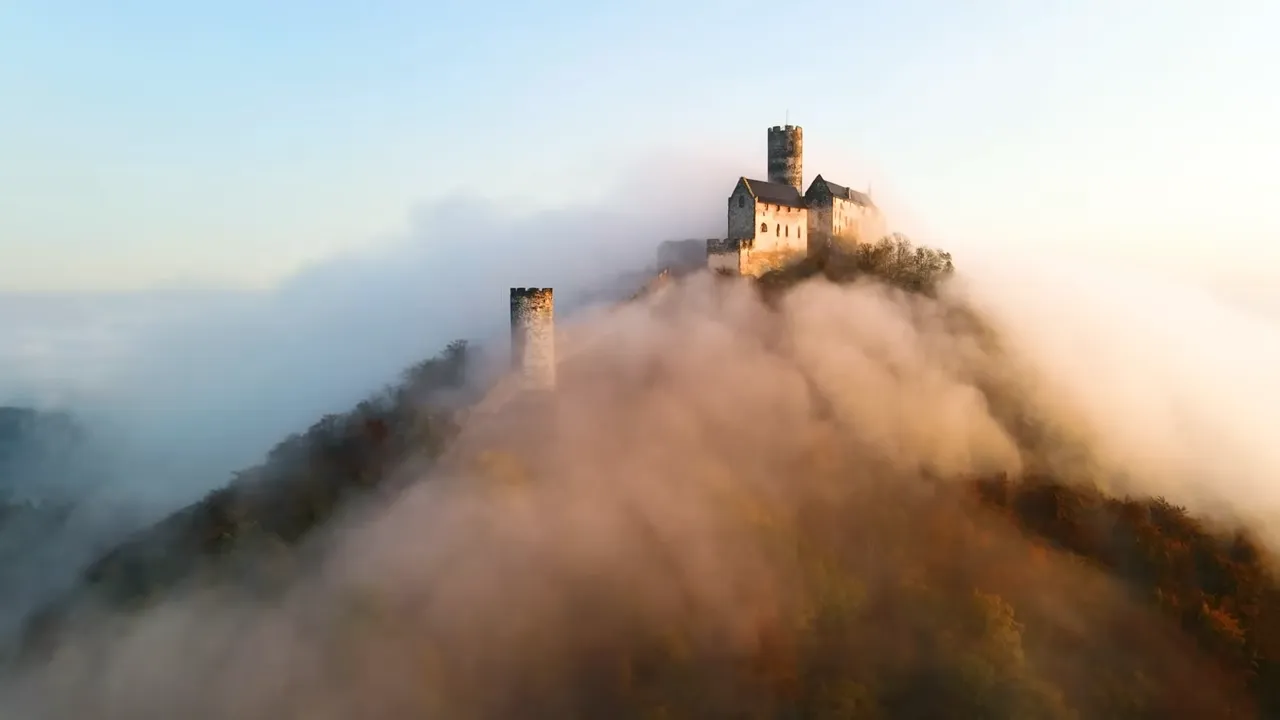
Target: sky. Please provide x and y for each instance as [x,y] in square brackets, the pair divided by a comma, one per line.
[148,145]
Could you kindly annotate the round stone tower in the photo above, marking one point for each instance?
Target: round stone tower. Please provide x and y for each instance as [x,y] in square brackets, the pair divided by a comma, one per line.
[533,344]
[786,156]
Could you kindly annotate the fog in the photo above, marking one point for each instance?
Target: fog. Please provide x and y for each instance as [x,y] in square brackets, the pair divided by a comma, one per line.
[179,388]
[688,435]
[620,506]
[208,380]
[1171,382]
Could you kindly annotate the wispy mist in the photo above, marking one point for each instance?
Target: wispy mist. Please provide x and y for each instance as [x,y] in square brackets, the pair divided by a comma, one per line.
[692,436]
[219,376]
[179,388]
[695,442]
[1172,385]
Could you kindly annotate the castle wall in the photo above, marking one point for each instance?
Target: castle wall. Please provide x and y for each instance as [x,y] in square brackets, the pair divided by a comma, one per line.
[776,235]
[853,223]
[780,228]
[740,258]
[838,222]
[533,350]
[742,214]
[724,259]
[819,224]
[756,263]
[786,156]
[766,252]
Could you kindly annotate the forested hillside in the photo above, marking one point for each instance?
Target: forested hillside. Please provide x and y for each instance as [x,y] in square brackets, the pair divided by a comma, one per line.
[1036,596]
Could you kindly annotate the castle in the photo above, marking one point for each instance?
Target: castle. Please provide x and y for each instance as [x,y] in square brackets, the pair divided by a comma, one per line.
[771,224]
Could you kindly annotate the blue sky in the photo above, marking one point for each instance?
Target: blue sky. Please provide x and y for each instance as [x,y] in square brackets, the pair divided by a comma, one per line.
[155,144]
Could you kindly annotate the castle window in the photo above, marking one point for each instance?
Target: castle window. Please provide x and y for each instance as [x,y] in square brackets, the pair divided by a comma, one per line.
[797,231]
[788,231]
[777,229]
[764,227]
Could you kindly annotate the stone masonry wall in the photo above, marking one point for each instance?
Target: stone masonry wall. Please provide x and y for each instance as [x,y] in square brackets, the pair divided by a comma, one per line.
[533,350]
[779,228]
[745,257]
[853,223]
[724,255]
[742,214]
[786,156]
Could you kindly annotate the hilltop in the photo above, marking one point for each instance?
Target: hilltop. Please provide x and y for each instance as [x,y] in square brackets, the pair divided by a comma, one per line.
[878,589]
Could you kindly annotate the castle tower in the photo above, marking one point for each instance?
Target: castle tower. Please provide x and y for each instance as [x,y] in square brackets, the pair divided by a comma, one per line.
[533,344]
[786,156]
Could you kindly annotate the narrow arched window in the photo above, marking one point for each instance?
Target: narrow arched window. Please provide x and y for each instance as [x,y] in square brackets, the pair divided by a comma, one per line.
[788,232]
[777,229]
[764,227]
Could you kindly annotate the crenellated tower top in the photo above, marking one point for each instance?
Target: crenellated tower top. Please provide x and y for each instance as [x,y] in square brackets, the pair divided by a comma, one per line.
[786,156]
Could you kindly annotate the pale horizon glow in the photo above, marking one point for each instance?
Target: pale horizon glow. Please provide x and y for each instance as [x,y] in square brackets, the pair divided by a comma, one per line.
[155,145]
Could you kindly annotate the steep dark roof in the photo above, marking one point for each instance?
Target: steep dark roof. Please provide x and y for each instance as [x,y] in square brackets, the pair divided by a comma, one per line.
[775,193]
[842,192]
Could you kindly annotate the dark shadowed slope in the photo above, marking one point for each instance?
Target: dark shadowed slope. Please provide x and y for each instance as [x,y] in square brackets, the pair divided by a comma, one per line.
[54,516]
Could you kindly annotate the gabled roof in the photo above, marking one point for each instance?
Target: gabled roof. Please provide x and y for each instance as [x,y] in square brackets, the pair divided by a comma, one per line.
[840,191]
[771,192]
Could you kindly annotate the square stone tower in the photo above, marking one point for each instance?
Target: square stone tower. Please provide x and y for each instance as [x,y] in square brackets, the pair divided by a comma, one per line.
[786,156]
[533,343]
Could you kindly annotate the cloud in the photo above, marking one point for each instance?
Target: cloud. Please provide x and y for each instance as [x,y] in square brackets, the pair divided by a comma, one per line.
[219,376]
[696,441]
[1171,384]
[182,387]
[676,418]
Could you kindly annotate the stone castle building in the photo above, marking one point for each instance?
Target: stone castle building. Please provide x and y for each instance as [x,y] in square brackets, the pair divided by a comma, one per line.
[771,223]
[774,222]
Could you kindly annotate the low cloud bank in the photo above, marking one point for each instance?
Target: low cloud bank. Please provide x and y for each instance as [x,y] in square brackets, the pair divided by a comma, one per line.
[702,452]
[702,449]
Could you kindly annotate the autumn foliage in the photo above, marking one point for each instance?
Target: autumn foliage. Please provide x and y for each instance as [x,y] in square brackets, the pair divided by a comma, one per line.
[905,597]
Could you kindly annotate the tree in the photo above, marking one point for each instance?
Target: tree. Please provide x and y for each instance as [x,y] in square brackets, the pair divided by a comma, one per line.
[894,260]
